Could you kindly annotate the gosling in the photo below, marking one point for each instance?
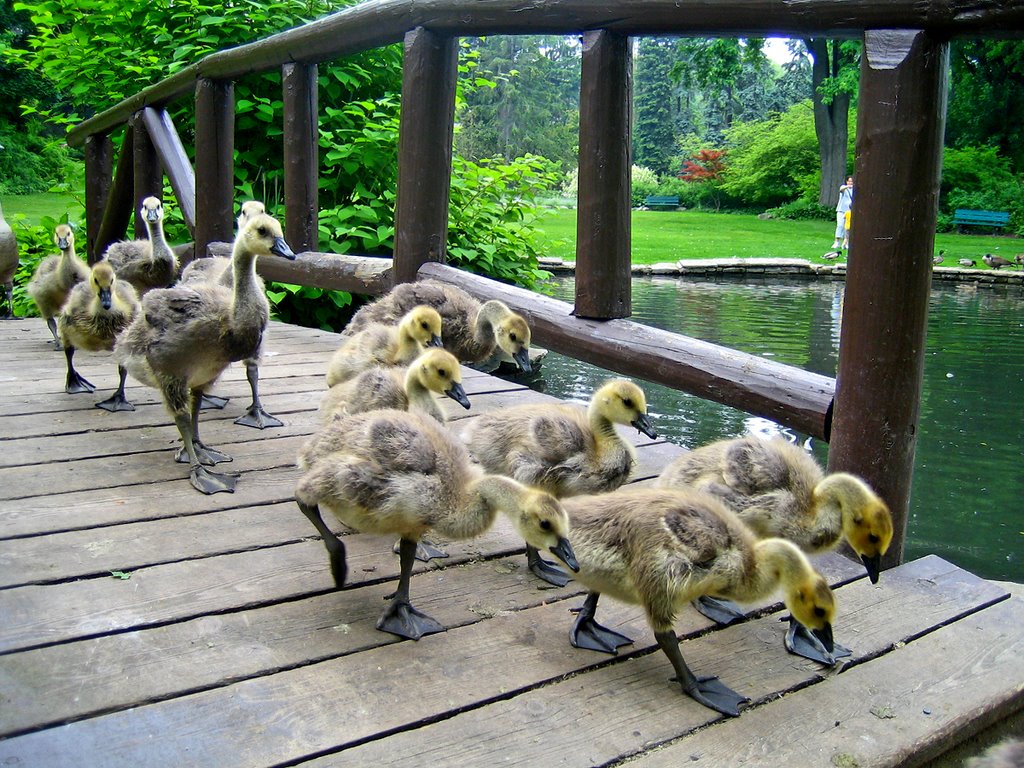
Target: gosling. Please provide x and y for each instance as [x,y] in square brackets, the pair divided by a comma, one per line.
[146,264]
[55,277]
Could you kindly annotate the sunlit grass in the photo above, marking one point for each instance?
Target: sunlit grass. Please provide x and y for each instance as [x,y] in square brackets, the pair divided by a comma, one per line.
[32,208]
[668,236]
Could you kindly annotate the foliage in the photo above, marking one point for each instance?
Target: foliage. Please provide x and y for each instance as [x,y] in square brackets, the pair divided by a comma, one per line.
[704,165]
[308,306]
[520,97]
[644,182]
[492,213]
[774,160]
[29,161]
[985,105]
[654,100]
[802,210]
[979,178]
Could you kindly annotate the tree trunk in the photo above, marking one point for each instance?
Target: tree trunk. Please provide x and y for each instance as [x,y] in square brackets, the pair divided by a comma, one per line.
[830,121]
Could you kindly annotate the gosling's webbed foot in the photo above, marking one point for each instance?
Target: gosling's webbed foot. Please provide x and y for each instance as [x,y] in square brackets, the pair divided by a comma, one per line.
[714,694]
[801,642]
[258,418]
[205,454]
[208,402]
[722,612]
[212,482]
[425,551]
[116,402]
[587,633]
[545,570]
[400,618]
[77,384]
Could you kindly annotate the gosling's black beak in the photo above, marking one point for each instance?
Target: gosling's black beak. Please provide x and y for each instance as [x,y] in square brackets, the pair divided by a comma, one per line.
[874,565]
[281,248]
[63,243]
[522,358]
[563,550]
[643,424]
[825,636]
[435,341]
[458,394]
[105,298]
[152,215]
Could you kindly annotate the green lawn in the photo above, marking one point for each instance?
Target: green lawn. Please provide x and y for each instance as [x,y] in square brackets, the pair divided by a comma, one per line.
[35,207]
[672,235]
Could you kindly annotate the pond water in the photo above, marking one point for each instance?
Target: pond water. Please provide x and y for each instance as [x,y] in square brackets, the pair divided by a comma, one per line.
[967,502]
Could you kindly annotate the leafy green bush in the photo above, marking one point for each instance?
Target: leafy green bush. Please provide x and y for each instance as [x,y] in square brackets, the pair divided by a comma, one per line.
[979,178]
[802,210]
[31,162]
[644,183]
[310,307]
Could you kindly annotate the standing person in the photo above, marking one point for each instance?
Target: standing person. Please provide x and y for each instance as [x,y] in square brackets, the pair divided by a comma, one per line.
[842,214]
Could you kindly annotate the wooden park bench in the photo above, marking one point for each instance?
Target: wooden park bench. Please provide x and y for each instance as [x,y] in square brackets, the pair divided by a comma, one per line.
[994,219]
[662,202]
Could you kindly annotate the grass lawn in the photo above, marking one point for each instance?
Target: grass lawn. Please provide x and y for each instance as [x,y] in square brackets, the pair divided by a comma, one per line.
[672,235]
[35,207]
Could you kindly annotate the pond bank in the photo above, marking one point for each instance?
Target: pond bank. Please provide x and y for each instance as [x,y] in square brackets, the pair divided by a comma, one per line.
[785,268]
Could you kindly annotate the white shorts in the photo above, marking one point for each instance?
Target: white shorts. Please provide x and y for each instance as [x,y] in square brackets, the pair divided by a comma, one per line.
[840,224]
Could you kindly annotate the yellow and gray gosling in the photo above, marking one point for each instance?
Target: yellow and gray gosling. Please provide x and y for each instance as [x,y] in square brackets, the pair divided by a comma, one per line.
[394,472]
[55,277]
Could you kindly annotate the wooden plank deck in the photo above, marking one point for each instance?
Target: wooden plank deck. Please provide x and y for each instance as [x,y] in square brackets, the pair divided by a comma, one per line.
[228,646]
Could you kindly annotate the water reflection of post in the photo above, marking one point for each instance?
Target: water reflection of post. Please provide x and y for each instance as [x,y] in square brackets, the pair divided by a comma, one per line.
[899,148]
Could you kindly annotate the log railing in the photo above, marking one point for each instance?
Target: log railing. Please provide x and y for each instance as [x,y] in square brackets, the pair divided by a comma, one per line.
[901,119]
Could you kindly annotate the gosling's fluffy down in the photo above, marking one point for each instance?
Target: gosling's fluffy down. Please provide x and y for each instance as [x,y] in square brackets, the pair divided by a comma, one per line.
[560,447]
[471,330]
[96,312]
[434,371]
[778,489]
[663,548]
[392,472]
[55,277]
[146,264]
[8,264]
[385,345]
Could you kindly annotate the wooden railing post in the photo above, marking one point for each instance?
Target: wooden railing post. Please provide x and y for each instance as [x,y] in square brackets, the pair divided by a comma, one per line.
[603,210]
[175,162]
[149,179]
[117,211]
[900,123]
[301,156]
[429,75]
[99,168]
[215,163]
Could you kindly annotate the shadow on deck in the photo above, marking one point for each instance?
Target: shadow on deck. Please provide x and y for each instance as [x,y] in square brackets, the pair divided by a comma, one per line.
[227,645]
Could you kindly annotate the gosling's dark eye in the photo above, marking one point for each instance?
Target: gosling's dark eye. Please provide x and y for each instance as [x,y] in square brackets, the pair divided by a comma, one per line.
[628,402]
[874,539]
[819,612]
[545,525]
[442,373]
[512,337]
[262,231]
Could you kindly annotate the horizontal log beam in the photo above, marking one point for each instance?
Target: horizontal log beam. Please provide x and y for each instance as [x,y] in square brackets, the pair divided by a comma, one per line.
[377,23]
[790,396]
[331,271]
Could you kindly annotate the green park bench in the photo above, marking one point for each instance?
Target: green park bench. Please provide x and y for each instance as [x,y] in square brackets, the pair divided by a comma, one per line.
[994,219]
[662,202]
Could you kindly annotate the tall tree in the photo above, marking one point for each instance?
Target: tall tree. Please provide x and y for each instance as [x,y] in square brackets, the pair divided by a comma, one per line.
[655,104]
[833,81]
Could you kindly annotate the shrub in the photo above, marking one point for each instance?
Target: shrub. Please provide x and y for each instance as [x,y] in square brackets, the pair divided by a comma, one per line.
[802,209]
[30,162]
[644,183]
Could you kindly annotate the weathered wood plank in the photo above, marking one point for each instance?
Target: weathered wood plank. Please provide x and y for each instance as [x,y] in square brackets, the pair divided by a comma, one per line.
[301,156]
[332,271]
[118,209]
[52,685]
[620,710]
[215,159]
[904,709]
[99,164]
[148,177]
[38,615]
[296,713]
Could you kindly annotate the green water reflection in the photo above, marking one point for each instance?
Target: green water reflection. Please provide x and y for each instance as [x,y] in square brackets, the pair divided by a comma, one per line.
[967,501]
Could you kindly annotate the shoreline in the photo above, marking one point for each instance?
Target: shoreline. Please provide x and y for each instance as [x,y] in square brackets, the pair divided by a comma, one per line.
[786,268]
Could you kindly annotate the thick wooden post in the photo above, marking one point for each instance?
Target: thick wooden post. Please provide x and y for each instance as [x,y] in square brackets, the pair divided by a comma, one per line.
[602,218]
[900,124]
[149,178]
[117,211]
[99,168]
[215,163]
[429,73]
[301,156]
[175,161]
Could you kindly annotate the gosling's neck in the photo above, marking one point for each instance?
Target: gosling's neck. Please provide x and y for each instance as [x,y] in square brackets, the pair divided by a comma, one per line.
[420,396]
[246,288]
[489,315]
[485,496]
[832,508]
[159,249]
[777,562]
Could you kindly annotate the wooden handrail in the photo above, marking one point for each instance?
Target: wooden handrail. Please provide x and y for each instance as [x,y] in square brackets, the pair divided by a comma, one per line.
[383,22]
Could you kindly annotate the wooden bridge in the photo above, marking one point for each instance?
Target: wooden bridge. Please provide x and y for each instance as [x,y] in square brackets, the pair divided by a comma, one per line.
[145,624]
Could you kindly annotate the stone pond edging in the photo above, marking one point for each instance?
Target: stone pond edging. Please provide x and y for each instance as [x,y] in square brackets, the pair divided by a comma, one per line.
[784,268]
